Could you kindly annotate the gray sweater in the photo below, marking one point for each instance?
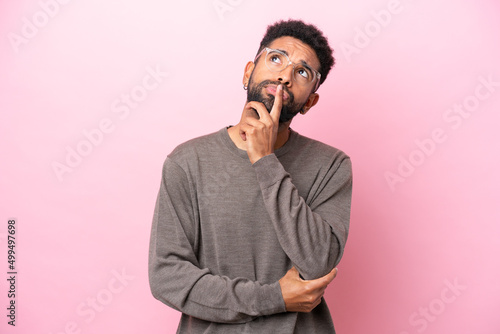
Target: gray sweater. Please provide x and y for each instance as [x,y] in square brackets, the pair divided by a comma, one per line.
[225,231]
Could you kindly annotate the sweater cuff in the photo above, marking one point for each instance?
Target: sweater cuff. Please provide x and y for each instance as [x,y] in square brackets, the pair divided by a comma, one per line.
[269,170]
[272,299]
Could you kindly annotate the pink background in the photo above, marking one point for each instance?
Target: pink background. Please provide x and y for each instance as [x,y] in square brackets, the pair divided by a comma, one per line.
[402,68]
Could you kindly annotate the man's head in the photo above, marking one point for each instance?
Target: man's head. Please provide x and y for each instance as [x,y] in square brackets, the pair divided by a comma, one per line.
[311,60]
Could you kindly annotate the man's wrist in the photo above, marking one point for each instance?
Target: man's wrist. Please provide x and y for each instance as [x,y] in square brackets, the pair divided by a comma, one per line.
[254,158]
[269,170]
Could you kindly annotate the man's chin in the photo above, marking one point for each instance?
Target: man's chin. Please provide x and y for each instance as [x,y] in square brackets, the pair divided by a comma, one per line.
[286,117]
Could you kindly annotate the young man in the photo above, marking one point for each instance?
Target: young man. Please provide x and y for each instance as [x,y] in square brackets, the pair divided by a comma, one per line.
[251,221]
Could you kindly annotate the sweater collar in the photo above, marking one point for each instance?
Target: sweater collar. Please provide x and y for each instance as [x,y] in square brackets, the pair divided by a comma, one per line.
[223,136]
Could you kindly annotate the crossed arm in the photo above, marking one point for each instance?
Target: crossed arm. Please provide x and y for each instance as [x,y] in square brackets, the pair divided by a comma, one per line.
[178,280]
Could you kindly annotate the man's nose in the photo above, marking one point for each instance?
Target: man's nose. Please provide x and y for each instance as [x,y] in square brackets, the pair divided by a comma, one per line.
[286,76]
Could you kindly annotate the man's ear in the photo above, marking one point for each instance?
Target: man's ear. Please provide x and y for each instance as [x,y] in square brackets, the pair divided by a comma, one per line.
[311,102]
[248,72]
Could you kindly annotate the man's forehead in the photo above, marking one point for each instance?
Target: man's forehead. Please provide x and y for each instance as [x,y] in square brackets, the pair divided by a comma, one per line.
[297,50]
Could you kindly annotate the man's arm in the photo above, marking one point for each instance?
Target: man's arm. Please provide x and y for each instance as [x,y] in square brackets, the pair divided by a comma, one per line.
[177,280]
[313,235]
[175,275]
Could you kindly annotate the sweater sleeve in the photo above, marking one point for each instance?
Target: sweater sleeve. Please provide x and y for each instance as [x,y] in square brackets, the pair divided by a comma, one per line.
[312,234]
[175,275]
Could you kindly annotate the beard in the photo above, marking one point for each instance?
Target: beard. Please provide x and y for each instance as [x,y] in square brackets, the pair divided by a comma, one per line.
[289,108]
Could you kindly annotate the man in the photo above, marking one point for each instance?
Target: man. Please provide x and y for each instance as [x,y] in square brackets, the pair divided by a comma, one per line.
[251,221]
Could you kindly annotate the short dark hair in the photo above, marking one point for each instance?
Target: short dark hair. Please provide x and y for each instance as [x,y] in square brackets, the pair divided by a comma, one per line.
[308,34]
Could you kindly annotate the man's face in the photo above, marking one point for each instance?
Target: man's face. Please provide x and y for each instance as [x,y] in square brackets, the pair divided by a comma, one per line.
[263,82]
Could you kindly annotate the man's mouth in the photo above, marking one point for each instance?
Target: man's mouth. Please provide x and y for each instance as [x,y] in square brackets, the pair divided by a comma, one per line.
[271,89]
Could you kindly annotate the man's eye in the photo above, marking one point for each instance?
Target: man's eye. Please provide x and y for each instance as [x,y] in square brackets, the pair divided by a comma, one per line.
[276,59]
[303,72]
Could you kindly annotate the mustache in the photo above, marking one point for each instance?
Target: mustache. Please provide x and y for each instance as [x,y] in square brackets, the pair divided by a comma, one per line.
[277,83]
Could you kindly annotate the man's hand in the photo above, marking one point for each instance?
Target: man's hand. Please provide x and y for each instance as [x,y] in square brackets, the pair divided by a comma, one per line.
[301,295]
[260,134]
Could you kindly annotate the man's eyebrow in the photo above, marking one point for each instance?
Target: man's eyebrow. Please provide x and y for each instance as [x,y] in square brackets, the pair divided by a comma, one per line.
[284,51]
[303,62]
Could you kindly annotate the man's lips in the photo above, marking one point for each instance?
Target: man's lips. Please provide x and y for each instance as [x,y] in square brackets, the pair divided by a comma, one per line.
[271,89]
